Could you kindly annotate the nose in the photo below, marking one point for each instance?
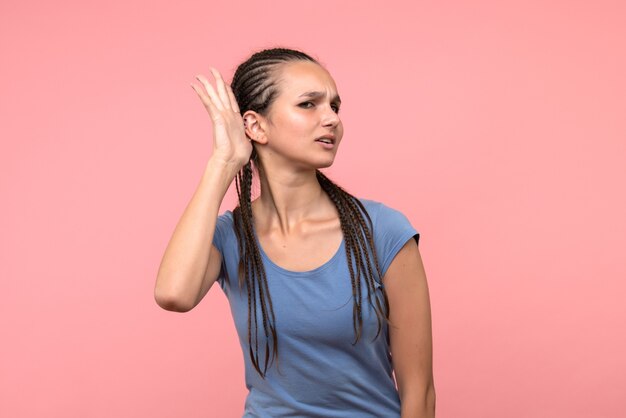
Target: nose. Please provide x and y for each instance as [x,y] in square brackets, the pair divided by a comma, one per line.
[331,118]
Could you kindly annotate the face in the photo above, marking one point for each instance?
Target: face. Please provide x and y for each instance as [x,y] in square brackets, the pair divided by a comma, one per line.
[305,109]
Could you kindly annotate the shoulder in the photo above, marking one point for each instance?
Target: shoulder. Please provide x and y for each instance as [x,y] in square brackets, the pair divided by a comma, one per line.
[371,206]
[389,222]
[223,229]
[392,230]
[225,217]
[225,222]
[381,211]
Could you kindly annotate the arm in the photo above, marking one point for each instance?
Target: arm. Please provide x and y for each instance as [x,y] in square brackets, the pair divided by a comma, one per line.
[183,267]
[410,332]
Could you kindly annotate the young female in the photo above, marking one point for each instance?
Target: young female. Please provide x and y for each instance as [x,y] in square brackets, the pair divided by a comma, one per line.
[329,285]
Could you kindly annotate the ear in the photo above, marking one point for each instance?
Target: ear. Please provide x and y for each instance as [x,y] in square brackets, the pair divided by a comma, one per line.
[254,125]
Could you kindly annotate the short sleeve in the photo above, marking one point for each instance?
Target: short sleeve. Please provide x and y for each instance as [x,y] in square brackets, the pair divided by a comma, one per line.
[392,230]
[219,240]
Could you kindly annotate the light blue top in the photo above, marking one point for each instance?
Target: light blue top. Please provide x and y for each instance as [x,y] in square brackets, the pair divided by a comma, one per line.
[321,374]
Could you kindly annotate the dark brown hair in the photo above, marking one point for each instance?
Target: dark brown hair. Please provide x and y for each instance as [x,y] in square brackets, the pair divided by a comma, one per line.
[255,87]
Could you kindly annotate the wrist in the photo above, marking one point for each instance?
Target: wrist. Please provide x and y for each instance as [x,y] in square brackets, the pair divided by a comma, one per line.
[218,175]
[224,168]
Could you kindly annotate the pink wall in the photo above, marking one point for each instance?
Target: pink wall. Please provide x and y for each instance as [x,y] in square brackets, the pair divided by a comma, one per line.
[498,127]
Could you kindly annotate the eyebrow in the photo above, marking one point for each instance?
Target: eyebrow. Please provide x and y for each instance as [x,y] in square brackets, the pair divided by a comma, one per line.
[318,94]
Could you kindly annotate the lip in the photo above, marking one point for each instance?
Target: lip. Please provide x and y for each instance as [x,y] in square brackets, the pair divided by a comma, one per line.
[327,146]
[328,136]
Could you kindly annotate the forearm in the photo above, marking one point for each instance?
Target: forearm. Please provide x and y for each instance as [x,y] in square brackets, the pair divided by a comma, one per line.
[184,263]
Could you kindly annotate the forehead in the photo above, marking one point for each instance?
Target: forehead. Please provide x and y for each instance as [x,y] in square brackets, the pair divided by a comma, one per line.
[302,76]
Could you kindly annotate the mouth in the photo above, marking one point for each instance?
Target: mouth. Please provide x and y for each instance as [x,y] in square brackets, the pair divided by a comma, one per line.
[326,139]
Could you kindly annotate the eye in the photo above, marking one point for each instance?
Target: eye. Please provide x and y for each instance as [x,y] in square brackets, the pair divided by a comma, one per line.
[334,106]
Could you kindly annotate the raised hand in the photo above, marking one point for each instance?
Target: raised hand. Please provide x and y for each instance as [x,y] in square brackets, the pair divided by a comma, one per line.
[230,144]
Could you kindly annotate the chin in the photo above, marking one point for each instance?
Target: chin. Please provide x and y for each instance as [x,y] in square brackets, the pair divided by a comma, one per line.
[327,164]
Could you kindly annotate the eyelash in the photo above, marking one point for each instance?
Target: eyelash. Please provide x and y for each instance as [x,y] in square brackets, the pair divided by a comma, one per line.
[336,111]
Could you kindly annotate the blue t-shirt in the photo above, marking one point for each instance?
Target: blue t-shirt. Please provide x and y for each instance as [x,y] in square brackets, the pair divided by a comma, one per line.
[320,373]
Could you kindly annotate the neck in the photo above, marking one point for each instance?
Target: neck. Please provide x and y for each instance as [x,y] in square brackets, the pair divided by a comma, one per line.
[288,199]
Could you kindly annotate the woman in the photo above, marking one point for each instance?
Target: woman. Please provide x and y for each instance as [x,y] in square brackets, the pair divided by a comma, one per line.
[291,261]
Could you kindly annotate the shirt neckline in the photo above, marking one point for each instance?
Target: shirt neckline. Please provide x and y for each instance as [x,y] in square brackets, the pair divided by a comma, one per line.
[318,269]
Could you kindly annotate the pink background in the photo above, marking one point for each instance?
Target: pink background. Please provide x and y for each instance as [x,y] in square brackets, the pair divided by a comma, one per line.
[497,127]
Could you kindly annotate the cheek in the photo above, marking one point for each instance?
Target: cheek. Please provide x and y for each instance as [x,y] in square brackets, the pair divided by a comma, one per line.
[298,119]
[291,120]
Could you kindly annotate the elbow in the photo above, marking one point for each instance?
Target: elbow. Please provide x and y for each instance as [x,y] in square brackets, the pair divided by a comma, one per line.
[419,404]
[170,302]
[431,402]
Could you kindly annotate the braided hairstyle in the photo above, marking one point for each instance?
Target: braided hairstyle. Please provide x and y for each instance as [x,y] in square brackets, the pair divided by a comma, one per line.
[255,87]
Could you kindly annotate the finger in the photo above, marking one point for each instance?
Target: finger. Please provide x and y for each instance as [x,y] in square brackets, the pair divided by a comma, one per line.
[206,100]
[233,100]
[210,92]
[219,82]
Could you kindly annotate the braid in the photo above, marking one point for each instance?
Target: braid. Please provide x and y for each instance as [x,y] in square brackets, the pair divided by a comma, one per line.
[250,266]
[347,203]
[255,88]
